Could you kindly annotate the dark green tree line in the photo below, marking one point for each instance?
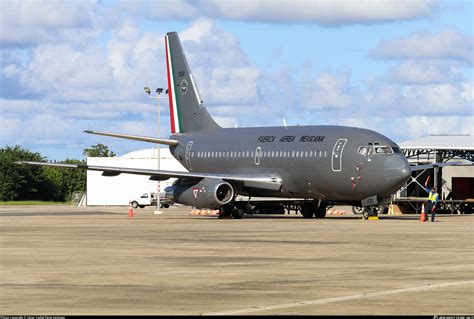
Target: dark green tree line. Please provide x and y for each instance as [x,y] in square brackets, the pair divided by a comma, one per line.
[19,181]
[25,182]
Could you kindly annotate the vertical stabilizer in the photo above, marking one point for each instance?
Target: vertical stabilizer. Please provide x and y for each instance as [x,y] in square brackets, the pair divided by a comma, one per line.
[187,112]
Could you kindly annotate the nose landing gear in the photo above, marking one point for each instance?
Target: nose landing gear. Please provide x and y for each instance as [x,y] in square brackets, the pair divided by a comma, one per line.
[370,212]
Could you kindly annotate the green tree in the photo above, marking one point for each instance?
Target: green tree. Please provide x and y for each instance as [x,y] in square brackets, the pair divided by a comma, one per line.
[19,182]
[26,182]
[60,183]
[99,150]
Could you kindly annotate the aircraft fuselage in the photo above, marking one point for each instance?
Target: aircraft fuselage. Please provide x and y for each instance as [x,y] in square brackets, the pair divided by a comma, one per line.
[319,162]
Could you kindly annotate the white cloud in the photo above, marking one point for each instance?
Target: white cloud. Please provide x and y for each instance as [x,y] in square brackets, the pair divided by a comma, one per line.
[426,72]
[98,84]
[32,22]
[101,85]
[66,72]
[436,99]
[327,91]
[222,70]
[468,94]
[321,12]
[448,44]
[403,128]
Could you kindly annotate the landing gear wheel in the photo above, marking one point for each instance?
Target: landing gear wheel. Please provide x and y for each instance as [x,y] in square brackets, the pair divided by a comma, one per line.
[365,213]
[381,209]
[228,210]
[237,213]
[368,212]
[308,210]
[357,210]
[320,211]
[225,211]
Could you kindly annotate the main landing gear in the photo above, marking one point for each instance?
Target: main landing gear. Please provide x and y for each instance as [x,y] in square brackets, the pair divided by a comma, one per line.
[311,208]
[308,209]
[229,210]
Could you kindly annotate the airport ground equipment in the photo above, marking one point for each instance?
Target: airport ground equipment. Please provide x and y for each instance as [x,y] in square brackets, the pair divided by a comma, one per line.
[149,199]
[455,184]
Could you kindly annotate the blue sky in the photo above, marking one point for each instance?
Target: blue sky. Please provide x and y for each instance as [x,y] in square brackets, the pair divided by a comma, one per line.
[403,68]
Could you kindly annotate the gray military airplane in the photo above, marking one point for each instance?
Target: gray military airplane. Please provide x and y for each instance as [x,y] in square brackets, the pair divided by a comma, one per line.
[323,165]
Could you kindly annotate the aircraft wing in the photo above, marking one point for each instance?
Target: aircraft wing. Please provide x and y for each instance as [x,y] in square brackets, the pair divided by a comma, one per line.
[265,181]
[428,166]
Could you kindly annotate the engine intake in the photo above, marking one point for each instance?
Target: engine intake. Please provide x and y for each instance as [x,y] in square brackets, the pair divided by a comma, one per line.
[208,193]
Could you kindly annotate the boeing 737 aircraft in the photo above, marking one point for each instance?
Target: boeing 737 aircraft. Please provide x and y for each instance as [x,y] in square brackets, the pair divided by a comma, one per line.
[323,165]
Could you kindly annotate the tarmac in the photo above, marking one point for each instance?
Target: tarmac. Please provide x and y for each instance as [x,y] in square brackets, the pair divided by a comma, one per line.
[63,260]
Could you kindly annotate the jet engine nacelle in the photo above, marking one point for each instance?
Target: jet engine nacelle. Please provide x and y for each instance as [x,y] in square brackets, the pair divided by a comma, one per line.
[208,193]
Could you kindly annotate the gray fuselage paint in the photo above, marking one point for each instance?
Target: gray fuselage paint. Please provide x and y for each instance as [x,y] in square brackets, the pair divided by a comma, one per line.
[347,176]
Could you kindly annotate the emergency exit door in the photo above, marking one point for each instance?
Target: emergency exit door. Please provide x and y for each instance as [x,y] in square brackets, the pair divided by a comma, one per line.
[337,154]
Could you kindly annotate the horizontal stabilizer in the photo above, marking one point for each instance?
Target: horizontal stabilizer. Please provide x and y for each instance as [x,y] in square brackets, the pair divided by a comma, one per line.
[136,138]
[428,166]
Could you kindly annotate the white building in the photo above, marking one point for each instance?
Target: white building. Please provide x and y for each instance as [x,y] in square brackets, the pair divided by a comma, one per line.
[119,190]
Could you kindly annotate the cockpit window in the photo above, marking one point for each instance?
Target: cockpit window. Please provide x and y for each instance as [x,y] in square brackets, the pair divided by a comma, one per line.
[377,149]
[383,150]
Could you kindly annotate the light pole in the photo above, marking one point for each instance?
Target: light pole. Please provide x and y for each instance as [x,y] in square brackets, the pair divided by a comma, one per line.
[158,96]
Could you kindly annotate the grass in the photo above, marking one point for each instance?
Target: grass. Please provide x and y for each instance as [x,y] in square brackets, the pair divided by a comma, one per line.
[32,202]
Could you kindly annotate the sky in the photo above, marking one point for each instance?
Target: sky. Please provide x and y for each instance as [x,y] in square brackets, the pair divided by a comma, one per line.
[403,68]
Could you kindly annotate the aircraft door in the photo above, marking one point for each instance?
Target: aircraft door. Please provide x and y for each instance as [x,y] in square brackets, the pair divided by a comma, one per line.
[258,154]
[187,155]
[337,154]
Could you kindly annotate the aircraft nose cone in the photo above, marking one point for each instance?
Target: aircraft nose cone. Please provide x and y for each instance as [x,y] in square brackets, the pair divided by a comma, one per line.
[396,170]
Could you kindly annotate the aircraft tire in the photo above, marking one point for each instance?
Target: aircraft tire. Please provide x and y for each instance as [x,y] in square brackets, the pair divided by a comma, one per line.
[308,210]
[237,213]
[357,210]
[366,213]
[369,211]
[225,211]
[382,209]
[320,212]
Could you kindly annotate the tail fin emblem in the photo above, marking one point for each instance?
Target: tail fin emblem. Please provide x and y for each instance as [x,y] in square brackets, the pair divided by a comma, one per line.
[184,87]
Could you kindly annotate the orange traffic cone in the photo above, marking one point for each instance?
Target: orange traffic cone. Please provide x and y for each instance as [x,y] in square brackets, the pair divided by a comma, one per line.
[423,214]
[130,209]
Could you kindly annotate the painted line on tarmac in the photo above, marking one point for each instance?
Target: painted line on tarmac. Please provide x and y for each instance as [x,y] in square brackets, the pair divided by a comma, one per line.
[337,299]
